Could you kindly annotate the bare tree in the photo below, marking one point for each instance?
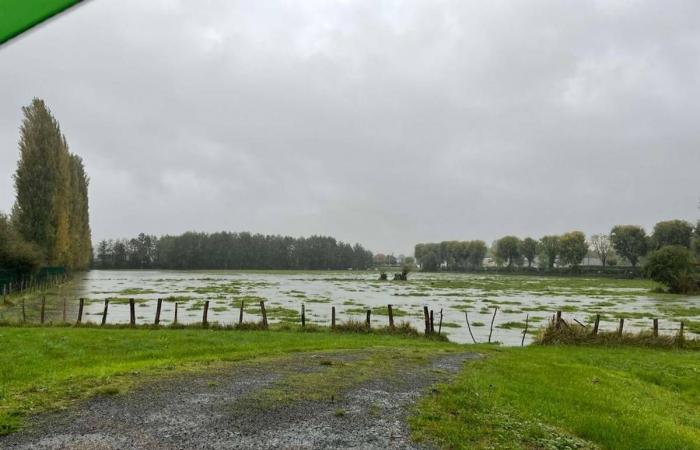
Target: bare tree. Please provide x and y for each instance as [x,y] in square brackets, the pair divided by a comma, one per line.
[601,246]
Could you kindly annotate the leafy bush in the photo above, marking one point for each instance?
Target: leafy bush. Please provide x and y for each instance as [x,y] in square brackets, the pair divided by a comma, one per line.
[673,266]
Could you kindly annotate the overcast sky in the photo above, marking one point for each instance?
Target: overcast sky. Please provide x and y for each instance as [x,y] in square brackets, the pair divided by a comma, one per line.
[383,122]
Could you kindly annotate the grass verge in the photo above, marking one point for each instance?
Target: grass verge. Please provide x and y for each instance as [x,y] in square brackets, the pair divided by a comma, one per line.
[568,397]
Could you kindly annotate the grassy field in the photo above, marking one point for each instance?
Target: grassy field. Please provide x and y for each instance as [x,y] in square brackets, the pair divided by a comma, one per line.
[42,368]
[568,397]
[550,397]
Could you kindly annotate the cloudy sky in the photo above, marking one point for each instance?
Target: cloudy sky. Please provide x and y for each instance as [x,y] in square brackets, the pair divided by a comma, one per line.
[383,122]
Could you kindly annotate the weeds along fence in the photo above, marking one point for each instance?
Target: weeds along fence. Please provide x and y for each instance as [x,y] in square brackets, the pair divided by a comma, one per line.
[14,281]
[561,331]
[558,331]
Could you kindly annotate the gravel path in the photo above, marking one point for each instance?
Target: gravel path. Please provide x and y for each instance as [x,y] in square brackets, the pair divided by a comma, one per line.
[218,410]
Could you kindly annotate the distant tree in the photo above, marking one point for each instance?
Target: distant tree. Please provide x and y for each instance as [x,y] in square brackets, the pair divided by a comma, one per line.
[529,250]
[507,250]
[695,243]
[602,247]
[672,265]
[672,232]
[379,259]
[629,241]
[428,256]
[548,250]
[477,253]
[572,248]
[391,260]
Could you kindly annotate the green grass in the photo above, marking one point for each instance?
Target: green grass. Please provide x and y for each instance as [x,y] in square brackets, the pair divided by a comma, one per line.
[44,368]
[566,397]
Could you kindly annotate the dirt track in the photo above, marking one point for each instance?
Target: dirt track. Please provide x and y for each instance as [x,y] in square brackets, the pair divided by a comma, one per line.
[228,408]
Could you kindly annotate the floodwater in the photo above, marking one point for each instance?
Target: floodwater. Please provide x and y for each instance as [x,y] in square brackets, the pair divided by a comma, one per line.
[351,293]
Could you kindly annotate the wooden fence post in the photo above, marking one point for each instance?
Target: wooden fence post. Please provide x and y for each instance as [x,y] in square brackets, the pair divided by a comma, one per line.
[332,317]
[175,319]
[303,315]
[80,310]
[43,308]
[369,316]
[466,316]
[557,321]
[240,315]
[656,327]
[158,306]
[432,322]
[24,312]
[495,310]
[391,316]
[596,324]
[680,332]
[527,320]
[104,313]
[264,313]
[132,312]
[205,313]
[64,310]
[622,324]
[426,316]
[440,323]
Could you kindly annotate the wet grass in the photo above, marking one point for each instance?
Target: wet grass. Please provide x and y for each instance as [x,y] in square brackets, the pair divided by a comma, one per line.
[567,397]
[50,367]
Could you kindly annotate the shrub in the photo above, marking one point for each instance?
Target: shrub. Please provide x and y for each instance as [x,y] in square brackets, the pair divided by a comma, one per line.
[674,267]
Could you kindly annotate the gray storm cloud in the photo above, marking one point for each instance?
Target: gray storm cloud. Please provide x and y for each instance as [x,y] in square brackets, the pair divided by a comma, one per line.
[383,122]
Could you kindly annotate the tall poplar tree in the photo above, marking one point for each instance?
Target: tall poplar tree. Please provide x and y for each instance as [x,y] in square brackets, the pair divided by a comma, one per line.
[50,208]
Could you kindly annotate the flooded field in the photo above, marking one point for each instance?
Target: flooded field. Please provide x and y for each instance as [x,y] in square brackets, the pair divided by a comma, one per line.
[352,293]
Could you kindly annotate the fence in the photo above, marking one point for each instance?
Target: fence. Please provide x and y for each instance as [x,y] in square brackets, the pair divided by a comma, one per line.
[430,317]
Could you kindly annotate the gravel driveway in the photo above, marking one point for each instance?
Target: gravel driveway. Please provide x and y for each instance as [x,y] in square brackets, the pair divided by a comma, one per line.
[222,409]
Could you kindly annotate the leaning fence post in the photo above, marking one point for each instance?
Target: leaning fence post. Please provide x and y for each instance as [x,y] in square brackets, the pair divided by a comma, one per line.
[333,317]
[391,316]
[466,316]
[158,306]
[527,319]
[622,324]
[656,327]
[303,315]
[205,313]
[132,312]
[104,313]
[369,316]
[495,310]
[440,323]
[43,308]
[264,313]
[596,324]
[80,310]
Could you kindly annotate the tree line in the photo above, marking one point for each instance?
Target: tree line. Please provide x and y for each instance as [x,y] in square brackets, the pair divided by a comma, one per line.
[629,242]
[49,223]
[229,250]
